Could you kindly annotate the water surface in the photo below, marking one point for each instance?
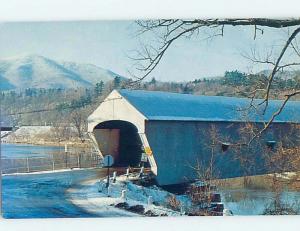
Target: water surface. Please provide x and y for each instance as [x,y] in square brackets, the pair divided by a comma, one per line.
[28,150]
[254,202]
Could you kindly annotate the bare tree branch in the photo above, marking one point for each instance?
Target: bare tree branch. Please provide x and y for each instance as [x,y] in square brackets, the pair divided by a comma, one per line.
[274,115]
[277,67]
[173,30]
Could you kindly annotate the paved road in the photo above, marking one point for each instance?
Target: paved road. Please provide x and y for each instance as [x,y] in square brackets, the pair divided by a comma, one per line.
[43,195]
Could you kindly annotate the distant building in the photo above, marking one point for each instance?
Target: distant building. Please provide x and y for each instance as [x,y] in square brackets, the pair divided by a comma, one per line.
[176,132]
[6,125]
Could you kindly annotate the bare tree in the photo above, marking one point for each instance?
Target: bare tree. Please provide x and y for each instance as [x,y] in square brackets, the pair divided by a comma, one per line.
[284,163]
[202,192]
[61,131]
[77,118]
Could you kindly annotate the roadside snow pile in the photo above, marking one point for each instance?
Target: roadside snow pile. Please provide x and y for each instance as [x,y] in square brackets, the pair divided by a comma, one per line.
[124,198]
[4,133]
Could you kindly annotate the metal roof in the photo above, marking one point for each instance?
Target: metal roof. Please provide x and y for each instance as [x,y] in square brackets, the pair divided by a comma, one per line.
[155,105]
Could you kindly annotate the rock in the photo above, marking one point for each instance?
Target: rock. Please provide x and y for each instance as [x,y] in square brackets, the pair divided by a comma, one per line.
[163,215]
[123,205]
[149,213]
[137,209]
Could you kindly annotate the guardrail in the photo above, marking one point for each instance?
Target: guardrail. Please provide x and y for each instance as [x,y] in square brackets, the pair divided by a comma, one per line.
[52,163]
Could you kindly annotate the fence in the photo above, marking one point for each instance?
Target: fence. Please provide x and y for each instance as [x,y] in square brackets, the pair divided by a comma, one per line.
[51,163]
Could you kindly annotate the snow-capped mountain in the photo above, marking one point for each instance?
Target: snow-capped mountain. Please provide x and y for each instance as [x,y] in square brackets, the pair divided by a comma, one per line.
[34,71]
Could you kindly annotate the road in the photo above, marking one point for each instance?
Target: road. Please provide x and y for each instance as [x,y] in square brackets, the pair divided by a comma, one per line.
[43,195]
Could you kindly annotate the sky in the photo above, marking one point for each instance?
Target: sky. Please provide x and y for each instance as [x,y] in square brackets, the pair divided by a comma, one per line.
[109,44]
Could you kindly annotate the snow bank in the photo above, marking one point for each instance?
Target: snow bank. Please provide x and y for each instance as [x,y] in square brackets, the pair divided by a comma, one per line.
[4,133]
[93,197]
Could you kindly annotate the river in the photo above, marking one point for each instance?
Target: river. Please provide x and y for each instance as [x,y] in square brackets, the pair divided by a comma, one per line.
[28,150]
[254,202]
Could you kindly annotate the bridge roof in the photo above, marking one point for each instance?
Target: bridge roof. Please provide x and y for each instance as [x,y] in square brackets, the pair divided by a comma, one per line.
[156,105]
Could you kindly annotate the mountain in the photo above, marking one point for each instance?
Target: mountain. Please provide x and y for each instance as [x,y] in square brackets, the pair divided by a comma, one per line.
[35,71]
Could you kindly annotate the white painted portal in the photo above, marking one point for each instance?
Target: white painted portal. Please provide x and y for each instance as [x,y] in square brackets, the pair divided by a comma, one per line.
[116,107]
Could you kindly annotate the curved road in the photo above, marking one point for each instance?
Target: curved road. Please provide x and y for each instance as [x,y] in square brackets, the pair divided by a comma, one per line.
[43,195]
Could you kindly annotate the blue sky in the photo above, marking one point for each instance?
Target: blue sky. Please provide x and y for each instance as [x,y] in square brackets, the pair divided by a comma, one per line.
[108,44]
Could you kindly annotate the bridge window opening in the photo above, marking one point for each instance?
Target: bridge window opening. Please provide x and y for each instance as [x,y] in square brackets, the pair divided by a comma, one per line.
[271,144]
[225,146]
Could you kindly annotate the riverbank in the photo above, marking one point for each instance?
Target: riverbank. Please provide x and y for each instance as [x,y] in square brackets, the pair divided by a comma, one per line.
[79,144]
[46,136]
[269,194]
[287,180]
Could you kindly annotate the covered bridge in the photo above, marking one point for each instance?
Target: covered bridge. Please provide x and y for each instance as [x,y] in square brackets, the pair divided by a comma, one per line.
[180,131]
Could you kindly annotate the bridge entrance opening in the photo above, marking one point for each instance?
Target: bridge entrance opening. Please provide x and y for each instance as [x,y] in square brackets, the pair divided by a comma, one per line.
[121,140]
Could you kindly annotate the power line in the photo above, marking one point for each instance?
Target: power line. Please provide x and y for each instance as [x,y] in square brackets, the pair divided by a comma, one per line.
[37,111]
[53,109]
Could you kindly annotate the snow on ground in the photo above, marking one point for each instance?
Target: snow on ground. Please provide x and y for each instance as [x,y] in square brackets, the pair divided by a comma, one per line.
[92,196]
[40,135]
[4,133]
[286,175]
[32,130]
[28,133]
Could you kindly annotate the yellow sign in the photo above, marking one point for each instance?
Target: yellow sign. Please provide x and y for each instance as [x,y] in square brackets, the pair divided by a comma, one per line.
[148,151]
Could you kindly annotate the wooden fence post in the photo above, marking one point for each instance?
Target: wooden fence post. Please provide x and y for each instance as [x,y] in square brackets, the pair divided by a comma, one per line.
[78,160]
[91,162]
[27,164]
[66,155]
[53,163]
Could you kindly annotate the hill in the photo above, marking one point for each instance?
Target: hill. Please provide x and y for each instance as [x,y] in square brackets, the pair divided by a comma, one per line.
[35,71]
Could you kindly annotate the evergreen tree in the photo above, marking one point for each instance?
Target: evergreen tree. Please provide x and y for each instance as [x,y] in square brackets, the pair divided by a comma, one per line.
[117,82]
[99,88]
[235,78]
[153,81]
